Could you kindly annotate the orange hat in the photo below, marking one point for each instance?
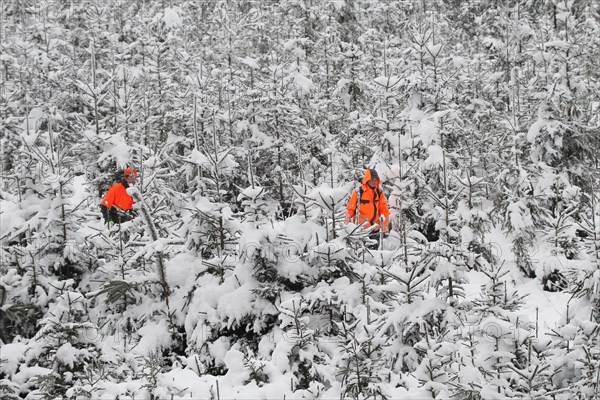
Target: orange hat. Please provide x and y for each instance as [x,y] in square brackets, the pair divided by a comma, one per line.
[130,170]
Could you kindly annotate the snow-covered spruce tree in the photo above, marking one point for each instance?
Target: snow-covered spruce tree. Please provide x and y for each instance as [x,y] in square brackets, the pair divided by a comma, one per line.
[532,372]
[449,258]
[9,390]
[449,266]
[43,246]
[469,142]
[391,125]
[418,329]
[560,136]
[362,370]
[19,98]
[19,278]
[125,95]
[427,77]
[250,274]
[208,220]
[312,53]
[407,192]
[440,169]
[327,55]
[437,353]
[584,277]
[373,118]
[501,344]
[496,297]
[575,356]
[530,369]
[64,352]
[351,94]
[363,364]
[402,322]
[306,336]
[347,297]
[498,358]
[93,82]
[560,231]
[328,206]
[259,276]
[504,35]
[437,366]
[329,305]
[160,28]
[521,214]
[273,142]
[493,351]
[473,210]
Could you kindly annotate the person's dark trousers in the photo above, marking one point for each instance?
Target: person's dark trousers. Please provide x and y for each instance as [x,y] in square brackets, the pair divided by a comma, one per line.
[374,239]
[114,215]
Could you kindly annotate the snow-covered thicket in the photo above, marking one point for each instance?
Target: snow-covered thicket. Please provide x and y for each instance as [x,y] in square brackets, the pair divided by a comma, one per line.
[251,122]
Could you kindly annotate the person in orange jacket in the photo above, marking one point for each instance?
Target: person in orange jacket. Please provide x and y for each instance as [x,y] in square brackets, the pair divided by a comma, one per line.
[117,205]
[371,203]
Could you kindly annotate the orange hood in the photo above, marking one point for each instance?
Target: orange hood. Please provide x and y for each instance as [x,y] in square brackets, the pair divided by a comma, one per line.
[371,173]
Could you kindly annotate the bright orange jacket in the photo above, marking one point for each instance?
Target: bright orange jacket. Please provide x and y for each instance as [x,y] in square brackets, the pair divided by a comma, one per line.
[373,205]
[117,196]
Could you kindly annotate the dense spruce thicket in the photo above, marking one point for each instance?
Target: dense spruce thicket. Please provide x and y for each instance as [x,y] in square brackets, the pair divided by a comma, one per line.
[250,123]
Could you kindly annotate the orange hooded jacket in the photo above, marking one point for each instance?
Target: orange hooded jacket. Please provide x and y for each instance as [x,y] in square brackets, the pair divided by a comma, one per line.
[373,204]
[117,196]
